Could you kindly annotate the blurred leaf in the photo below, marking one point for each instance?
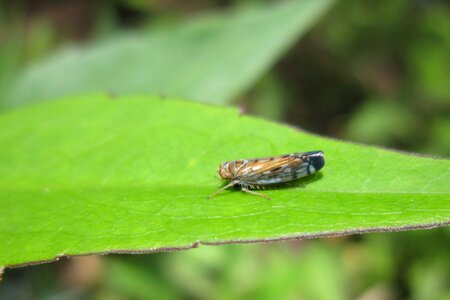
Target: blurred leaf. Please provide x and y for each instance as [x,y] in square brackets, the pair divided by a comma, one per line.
[213,59]
[100,174]
[439,138]
[135,280]
[9,63]
[17,49]
[271,98]
[315,262]
[383,122]
[418,254]
[284,271]
[429,56]
[428,277]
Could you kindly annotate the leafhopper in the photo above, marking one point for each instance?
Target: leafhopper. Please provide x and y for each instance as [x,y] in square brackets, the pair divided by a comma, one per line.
[257,173]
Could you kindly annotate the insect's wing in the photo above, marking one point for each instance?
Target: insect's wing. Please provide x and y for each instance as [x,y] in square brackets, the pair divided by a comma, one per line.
[274,170]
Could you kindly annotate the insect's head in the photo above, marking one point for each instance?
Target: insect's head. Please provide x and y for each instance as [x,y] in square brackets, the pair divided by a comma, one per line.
[315,159]
[224,171]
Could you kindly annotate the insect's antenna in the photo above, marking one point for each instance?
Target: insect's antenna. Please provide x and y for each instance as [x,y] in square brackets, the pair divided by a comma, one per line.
[222,189]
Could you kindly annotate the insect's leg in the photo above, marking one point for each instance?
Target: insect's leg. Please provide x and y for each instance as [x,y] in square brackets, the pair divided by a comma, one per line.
[255,193]
[222,189]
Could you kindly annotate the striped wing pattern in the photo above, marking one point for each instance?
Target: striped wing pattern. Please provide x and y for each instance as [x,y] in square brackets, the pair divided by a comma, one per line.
[272,170]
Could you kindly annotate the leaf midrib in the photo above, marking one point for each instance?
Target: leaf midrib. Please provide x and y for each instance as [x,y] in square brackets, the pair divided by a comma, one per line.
[212,188]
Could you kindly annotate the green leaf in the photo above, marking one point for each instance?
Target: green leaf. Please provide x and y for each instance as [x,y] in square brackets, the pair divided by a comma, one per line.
[212,59]
[100,174]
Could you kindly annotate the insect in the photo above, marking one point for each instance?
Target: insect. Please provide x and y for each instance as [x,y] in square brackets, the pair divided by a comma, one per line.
[260,172]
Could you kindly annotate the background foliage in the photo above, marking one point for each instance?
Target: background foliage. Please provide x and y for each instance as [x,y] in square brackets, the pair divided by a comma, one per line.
[375,72]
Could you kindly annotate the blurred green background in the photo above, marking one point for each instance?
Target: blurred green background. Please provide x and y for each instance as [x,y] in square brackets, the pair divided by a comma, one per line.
[376,72]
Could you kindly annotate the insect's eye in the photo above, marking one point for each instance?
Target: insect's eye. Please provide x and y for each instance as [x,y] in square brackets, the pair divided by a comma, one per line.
[223,171]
